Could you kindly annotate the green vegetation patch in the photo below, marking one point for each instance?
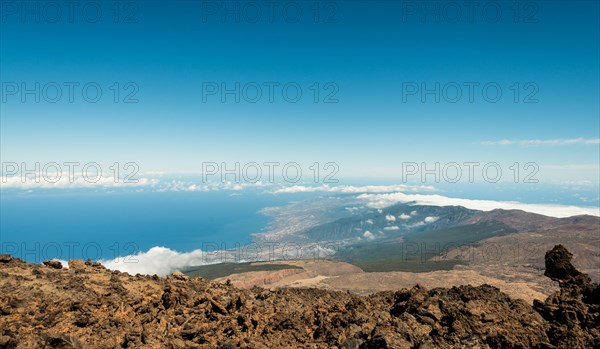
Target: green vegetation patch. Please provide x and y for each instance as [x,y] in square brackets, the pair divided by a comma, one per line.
[215,271]
[420,251]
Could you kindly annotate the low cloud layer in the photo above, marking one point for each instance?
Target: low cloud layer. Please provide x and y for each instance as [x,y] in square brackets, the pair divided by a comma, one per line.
[354,189]
[380,201]
[545,142]
[64,182]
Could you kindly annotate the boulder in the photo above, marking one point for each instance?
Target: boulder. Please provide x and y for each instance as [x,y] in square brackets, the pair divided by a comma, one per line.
[53,264]
[76,264]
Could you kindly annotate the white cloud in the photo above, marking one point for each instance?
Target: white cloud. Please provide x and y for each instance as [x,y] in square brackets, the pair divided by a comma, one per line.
[392,228]
[162,184]
[431,219]
[354,189]
[66,182]
[369,235]
[580,183]
[542,142]
[572,167]
[163,261]
[158,260]
[404,216]
[209,186]
[369,221]
[390,218]
[415,225]
[384,200]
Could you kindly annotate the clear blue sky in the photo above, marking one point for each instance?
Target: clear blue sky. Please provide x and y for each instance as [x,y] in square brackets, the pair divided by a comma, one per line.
[369,52]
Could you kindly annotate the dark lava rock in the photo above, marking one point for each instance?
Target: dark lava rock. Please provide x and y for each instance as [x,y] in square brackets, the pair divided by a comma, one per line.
[573,312]
[64,308]
[53,264]
[558,264]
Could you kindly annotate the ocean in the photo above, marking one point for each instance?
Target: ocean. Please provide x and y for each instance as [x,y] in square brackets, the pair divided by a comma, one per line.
[43,225]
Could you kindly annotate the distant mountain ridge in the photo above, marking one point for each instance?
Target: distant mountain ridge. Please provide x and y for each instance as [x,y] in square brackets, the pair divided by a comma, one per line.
[405,219]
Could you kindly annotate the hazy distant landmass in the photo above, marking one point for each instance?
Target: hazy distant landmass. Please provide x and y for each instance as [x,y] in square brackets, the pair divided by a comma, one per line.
[383,249]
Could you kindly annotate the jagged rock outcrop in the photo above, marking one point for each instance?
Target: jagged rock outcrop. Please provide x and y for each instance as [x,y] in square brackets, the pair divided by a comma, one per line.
[573,313]
[558,264]
[88,306]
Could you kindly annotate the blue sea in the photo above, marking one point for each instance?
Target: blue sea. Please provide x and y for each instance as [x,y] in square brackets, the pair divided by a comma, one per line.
[83,224]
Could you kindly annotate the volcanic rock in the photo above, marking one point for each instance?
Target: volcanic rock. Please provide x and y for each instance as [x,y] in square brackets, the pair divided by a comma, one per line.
[53,264]
[99,308]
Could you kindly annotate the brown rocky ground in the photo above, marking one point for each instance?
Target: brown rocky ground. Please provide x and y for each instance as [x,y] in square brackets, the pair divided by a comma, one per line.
[341,276]
[87,306]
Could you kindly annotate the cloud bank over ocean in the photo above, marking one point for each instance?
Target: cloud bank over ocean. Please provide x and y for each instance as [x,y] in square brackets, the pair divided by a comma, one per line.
[349,189]
[66,182]
[384,200]
[545,142]
[163,261]
[377,196]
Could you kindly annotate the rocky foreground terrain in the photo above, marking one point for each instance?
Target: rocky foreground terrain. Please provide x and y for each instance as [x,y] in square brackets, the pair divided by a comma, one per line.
[88,306]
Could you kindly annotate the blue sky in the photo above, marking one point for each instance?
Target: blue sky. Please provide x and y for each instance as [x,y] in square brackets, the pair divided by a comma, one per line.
[365,56]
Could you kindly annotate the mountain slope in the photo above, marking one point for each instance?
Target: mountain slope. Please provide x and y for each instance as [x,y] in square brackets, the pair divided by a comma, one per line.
[88,306]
